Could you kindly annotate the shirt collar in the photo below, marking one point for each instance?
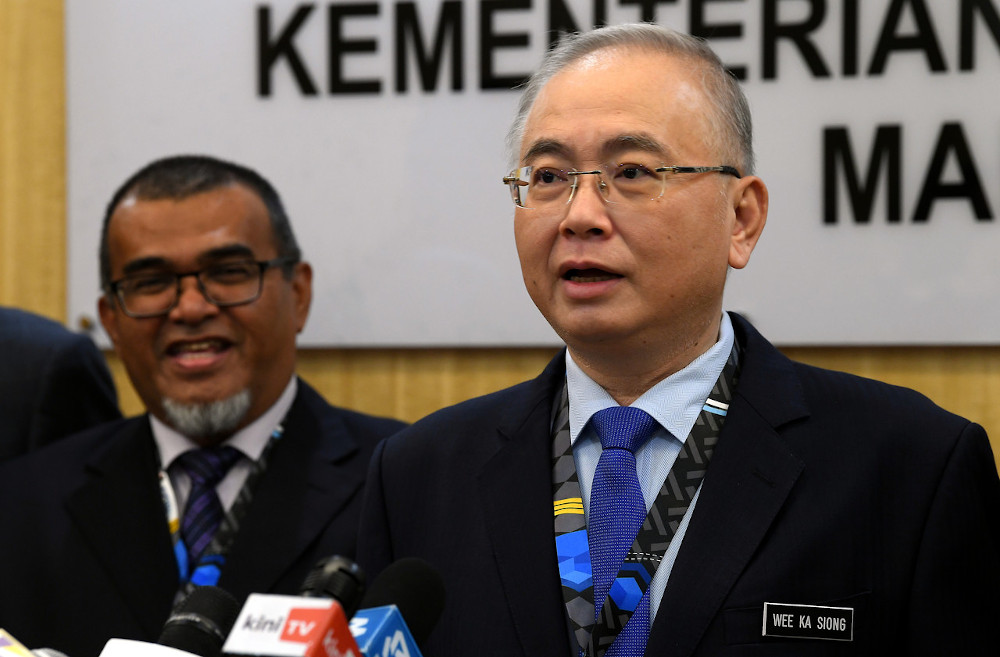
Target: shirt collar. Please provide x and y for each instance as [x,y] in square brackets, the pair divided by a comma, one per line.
[674,402]
[250,440]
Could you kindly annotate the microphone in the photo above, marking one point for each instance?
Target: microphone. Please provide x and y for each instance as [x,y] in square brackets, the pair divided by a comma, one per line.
[201,622]
[198,626]
[401,608]
[311,625]
[339,578]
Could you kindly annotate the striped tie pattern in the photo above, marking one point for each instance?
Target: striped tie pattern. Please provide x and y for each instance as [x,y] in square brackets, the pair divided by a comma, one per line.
[206,467]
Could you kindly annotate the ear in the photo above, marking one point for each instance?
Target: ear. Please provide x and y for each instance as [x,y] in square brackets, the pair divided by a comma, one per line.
[302,293]
[750,208]
[107,310]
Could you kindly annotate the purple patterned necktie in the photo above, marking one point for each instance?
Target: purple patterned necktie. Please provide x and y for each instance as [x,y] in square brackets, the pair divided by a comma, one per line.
[206,467]
[617,511]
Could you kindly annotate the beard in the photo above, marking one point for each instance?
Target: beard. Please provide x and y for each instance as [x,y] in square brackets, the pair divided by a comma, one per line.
[198,421]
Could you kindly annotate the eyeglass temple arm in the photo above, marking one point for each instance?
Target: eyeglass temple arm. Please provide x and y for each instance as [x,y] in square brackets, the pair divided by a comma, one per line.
[732,171]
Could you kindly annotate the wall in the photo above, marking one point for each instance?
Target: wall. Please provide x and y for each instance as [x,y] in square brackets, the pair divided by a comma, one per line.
[405,383]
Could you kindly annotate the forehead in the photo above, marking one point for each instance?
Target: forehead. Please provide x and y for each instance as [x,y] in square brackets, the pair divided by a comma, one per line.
[184,230]
[612,99]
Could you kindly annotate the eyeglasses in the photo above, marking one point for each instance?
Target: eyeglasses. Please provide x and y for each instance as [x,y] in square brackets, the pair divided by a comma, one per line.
[232,283]
[548,188]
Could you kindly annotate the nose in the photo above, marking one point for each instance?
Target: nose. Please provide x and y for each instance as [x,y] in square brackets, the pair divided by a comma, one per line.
[587,211]
[192,305]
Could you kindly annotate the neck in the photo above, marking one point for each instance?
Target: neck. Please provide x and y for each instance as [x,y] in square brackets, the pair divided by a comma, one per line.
[628,373]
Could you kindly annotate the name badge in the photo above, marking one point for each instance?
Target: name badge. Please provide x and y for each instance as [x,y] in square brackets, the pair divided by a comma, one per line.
[808,622]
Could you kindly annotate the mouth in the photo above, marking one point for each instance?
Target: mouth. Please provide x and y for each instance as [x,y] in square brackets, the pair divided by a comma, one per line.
[589,275]
[193,352]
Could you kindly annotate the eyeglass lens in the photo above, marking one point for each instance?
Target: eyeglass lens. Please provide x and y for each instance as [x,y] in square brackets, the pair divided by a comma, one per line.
[625,182]
[226,284]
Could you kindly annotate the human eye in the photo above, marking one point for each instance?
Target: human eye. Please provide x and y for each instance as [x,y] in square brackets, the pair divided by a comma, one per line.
[148,284]
[634,171]
[635,179]
[231,273]
[548,176]
[546,184]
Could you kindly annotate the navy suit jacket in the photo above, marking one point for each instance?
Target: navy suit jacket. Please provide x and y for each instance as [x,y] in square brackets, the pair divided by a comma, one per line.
[86,553]
[53,383]
[824,489]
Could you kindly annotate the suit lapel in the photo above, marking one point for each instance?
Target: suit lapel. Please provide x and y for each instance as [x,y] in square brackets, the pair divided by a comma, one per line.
[122,483]
[515,487]
[749,479]
[303,467]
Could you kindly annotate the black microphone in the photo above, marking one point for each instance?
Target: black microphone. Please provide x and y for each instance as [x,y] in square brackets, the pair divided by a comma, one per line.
[201,622]
[339,578]
[198,626]
[416,590]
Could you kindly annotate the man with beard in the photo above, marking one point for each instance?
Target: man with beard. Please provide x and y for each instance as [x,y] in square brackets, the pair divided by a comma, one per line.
[240,474]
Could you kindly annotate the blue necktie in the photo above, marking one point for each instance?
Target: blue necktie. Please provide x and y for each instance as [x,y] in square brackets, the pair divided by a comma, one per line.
[617,511]
[206,467]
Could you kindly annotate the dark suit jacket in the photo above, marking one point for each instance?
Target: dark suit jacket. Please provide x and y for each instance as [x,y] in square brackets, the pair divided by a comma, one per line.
[824,489]
[86,556]
[53,382]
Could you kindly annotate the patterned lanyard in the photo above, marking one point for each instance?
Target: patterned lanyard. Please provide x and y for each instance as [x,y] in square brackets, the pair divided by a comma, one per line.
[572,548]
[207,571]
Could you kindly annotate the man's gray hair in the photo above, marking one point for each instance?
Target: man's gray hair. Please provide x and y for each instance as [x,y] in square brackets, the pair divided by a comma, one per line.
[730,119]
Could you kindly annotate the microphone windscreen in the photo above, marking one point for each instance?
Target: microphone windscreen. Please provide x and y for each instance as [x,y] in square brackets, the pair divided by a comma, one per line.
[339,578]
[416,588]
[201,622]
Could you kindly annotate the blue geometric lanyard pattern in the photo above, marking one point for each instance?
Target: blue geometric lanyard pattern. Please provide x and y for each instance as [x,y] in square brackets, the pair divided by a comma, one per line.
[669,507]
[209,567]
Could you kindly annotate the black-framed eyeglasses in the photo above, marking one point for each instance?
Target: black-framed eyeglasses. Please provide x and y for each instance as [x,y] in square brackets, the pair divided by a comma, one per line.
[228,283]
[632,183]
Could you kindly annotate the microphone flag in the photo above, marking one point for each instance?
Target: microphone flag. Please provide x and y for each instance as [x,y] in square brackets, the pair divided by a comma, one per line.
[381,632]
[291,626]
[11,647]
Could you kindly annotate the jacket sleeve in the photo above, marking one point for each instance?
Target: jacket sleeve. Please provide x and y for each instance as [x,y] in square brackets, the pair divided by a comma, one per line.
[954,606]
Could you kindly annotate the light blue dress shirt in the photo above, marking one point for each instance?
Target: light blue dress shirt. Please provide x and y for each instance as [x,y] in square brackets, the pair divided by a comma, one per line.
[675,403]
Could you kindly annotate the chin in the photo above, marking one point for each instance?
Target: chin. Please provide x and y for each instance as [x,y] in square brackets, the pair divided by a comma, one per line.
[592,333]
[211,418]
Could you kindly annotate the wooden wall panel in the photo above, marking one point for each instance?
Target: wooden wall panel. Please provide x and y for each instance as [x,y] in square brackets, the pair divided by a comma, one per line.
[32,156]
[404,383]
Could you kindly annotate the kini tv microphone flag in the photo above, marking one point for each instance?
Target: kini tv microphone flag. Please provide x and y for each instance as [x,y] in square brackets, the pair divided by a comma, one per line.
[311,625]
[291,626]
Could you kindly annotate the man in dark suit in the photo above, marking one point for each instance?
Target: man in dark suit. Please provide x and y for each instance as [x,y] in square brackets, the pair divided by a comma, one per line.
[671,485]
[53,382]
[240,475]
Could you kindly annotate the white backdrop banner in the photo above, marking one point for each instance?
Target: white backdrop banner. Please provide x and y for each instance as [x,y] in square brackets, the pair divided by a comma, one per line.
[382,125]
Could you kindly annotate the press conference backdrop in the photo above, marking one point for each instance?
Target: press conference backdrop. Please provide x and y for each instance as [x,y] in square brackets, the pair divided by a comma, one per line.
[382,124]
